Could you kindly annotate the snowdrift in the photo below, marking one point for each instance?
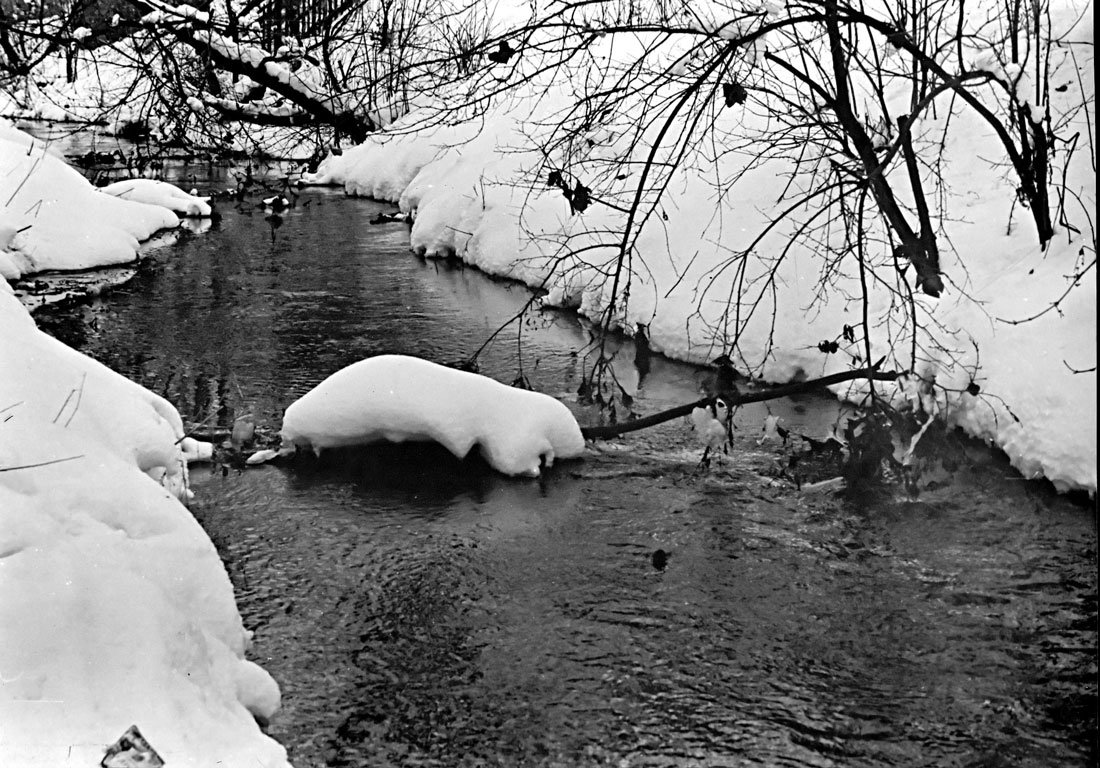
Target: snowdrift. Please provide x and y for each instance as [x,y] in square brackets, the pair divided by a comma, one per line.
[394,398]
[55,219]
[115,608]
[1006,363]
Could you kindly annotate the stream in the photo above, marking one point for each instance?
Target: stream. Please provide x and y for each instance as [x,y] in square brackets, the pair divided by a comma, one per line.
[627,609]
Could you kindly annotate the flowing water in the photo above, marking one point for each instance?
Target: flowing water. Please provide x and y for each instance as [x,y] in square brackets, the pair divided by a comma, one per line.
[626,609]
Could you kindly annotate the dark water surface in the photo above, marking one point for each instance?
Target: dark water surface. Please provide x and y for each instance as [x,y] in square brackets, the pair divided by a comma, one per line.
[417,610]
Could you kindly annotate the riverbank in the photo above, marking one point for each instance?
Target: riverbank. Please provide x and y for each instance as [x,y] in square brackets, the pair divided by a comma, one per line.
[116,609]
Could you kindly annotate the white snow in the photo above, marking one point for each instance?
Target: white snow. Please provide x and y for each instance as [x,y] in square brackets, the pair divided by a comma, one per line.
[478,191]
[396,398]
[61,221]
[115,609]
[710,427]
[159,193]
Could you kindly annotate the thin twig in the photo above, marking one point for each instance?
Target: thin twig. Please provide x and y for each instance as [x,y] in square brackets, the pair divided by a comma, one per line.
[41,463]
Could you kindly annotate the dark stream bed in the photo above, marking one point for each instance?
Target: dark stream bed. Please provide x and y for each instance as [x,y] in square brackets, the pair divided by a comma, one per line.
[421,611]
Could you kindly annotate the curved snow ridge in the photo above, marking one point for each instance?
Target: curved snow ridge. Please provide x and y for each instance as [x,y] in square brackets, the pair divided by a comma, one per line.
[395,398]
[56,220]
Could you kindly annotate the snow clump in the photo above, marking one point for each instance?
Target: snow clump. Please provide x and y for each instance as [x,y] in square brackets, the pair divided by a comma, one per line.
[397,398]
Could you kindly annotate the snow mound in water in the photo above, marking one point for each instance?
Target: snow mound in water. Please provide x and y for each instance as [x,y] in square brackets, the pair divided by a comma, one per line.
[396,398]
[159,193]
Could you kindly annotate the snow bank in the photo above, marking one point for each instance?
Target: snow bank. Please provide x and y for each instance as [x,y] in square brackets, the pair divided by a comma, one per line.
[115,608]
[486,199]
[43,380]
[159,193]
[54,219]
[396,398]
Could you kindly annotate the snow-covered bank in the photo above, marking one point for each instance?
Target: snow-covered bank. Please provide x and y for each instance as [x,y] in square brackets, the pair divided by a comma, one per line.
[115,608]
[54,219]
[1005,361]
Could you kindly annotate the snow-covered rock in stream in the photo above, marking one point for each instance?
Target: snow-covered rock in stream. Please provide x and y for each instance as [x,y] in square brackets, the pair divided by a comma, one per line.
[115,608]
[396,398]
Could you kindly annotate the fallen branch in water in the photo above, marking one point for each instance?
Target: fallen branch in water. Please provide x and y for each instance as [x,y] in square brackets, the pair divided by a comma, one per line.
[614,430]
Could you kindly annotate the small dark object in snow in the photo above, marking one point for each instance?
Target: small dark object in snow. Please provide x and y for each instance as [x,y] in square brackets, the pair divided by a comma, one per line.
[502,54]
[131,751]
[973,389]
[734,93]
[660,559]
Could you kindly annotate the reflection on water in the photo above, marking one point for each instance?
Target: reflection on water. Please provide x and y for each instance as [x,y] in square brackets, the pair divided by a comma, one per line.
[419,610]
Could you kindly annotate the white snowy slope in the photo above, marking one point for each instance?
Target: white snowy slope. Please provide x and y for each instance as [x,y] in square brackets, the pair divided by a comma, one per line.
[479,191]
[115,609]
[397,398]
[53,219]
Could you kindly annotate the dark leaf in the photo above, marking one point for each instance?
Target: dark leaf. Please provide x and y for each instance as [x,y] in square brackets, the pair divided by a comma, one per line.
[502,53]
[849,334]
[973,389]
[555,180]
[828,347]
[580,198]
[734,93]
